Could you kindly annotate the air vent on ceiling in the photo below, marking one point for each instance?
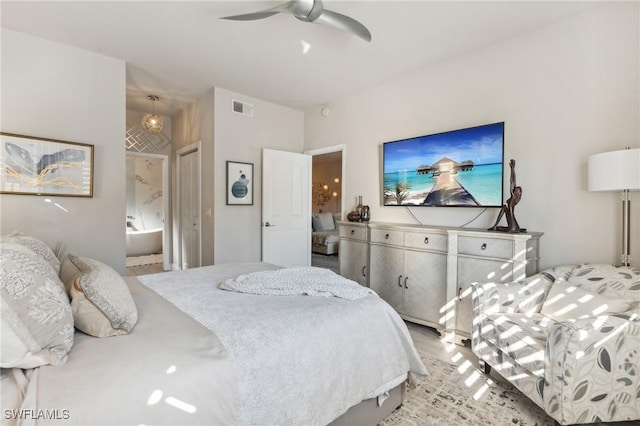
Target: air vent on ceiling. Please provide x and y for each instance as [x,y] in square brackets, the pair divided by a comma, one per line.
[243,108]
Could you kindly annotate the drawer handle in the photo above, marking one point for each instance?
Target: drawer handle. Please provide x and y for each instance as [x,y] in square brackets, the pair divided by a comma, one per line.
[405,282]
[364,271]
[483,246]
[426,240]
[400,281]
[459,293]
[386,236]
[353,231]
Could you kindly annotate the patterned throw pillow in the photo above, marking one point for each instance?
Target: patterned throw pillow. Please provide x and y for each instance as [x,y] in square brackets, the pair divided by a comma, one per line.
[608,280]
[592,290]
[36,246]
[568,302]
[98,292]
[37,325]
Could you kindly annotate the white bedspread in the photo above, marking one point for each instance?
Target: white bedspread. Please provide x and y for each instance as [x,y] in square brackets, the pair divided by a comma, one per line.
[299,360]
[304,280]
[169,371]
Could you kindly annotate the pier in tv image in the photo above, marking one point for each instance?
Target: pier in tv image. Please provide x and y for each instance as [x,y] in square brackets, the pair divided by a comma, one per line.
[457,168]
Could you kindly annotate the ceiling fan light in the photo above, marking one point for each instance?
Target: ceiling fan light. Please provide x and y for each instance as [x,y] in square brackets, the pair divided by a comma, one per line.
[152,123]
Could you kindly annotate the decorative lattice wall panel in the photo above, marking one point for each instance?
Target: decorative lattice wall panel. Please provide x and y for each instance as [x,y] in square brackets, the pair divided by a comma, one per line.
[140,140]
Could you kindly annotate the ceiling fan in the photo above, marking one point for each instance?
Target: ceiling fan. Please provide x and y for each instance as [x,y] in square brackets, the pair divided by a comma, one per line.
[310,11]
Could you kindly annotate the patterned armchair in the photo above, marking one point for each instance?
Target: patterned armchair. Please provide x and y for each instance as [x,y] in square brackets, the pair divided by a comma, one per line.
[568,338]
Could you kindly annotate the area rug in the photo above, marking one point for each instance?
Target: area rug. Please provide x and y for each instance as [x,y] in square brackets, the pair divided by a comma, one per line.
[462,395]
[144,260]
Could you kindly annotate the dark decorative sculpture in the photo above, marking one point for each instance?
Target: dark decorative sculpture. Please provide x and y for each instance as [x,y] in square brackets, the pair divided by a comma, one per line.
[508,208]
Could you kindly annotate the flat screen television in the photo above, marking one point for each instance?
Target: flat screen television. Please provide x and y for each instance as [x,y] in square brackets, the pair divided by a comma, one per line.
[459,168]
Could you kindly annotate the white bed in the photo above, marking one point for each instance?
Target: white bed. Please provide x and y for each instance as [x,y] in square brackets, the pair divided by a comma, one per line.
[234,359]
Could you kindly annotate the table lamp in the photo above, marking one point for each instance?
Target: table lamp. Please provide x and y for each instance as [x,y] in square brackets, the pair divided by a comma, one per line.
[617,171]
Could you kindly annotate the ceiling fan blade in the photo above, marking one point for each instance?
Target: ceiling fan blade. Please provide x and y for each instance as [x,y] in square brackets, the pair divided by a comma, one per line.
[285,7]
[250,16]
[343,22]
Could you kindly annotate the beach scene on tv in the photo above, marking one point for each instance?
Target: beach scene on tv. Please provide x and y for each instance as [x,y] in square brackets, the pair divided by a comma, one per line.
[459,168]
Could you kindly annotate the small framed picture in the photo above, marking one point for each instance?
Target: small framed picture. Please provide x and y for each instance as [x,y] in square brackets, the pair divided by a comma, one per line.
[239,183]
[37,166]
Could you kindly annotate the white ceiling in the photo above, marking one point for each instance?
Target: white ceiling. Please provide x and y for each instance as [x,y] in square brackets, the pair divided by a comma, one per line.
[179,50]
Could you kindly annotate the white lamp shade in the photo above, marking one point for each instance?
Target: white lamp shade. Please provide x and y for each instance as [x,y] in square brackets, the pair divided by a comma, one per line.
[615,170]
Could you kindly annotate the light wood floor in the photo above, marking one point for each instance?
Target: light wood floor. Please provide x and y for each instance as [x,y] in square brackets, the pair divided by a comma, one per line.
[431,344]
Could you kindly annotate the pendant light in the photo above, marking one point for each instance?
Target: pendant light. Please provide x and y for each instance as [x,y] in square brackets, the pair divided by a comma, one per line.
[153,122]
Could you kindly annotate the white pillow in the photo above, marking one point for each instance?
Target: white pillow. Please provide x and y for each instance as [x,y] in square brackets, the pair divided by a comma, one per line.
[323,222]
[37,246]
[105,289]
[37,325]
[568,302]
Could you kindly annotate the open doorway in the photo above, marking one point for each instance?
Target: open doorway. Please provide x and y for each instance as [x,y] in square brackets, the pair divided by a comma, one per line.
[147,236]
[327,203]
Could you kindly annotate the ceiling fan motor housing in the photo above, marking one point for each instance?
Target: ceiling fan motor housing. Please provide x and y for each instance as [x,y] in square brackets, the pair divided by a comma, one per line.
[308,10]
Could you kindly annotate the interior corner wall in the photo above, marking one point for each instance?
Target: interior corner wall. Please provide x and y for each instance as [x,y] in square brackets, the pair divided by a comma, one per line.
[55,91]
[192,125]
[241,138]
[565,92]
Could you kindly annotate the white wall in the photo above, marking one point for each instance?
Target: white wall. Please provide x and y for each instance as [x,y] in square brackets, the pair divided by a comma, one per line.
[565,91]
[241,138]
[56,91]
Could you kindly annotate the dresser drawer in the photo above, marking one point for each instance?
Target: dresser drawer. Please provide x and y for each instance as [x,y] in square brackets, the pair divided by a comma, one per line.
[426,240]
[353,232]
[486,247]
[387,236]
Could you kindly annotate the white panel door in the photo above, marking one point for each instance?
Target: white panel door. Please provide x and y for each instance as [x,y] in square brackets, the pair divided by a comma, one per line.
[286,208]
[190,209]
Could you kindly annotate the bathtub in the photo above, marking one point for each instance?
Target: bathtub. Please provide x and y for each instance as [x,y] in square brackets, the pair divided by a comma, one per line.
[140,243]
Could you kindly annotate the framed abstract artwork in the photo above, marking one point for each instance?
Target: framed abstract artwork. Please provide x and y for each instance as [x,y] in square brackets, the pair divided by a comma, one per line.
[37,166]
[239,183]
